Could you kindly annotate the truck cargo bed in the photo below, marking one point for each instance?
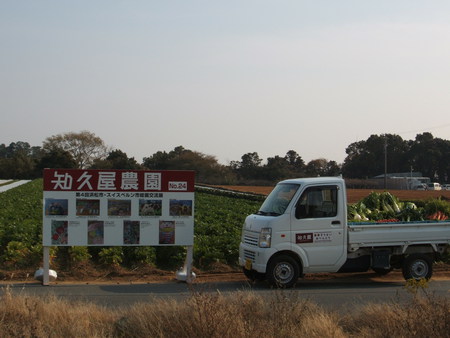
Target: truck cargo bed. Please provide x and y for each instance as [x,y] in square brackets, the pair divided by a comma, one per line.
[366,234]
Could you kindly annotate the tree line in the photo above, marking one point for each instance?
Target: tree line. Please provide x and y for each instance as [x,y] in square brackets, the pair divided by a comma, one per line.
[365,159]
[426,154]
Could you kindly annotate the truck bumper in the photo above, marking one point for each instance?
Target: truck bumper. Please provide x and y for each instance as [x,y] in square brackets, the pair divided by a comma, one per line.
[254,258]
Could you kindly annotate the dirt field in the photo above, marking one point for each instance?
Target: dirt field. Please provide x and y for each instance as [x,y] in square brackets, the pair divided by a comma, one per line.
[355,195]
[223,273]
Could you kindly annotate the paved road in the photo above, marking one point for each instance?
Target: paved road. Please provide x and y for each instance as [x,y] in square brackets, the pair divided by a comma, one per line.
[341,295]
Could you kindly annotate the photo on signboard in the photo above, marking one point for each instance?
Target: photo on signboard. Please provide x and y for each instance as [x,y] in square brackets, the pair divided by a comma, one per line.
[150,207]
[119,207]
[59,232]
[96,232]
[180,207]
[88,207]
[56,207]
[166,232]
[131,232]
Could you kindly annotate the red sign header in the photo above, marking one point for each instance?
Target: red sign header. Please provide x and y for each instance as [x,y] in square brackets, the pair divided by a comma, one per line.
[118,180]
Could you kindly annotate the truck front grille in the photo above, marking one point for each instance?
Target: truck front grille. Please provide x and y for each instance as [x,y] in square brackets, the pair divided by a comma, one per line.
[249,255]
[251,239]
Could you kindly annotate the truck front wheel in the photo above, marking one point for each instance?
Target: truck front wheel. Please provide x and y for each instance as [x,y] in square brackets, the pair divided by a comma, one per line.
[417,266]
[283,271]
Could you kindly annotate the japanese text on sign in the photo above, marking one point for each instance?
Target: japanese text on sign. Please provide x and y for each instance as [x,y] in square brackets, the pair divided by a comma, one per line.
[117,180]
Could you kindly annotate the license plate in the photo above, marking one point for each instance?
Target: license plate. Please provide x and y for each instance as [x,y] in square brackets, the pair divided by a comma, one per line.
[248,264]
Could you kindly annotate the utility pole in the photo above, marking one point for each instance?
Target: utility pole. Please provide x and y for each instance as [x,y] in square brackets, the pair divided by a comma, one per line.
[410,179]
[385,162]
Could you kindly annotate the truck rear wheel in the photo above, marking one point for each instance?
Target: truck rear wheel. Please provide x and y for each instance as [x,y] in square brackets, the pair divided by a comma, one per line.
[283,271]
[417,266]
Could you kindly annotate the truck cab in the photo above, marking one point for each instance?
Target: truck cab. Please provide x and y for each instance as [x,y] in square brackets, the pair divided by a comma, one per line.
[300,228]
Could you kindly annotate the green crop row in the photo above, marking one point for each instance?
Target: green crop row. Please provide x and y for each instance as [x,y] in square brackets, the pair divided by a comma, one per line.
[218,222]
[21,225]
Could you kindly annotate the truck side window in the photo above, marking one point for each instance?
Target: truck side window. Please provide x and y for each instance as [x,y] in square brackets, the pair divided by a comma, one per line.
[317,202]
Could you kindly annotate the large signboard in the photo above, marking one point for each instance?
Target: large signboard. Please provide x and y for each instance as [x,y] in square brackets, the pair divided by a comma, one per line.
[118,207]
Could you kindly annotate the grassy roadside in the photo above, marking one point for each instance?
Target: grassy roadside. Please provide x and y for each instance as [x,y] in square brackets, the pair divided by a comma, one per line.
[241,314]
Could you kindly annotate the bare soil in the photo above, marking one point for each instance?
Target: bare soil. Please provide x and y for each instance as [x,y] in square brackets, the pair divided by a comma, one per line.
[354,195]
[88,274]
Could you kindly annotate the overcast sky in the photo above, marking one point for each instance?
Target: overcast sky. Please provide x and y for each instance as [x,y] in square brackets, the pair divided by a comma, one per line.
[225,77]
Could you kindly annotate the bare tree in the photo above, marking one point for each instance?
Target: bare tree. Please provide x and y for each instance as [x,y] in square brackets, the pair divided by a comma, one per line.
[85,147]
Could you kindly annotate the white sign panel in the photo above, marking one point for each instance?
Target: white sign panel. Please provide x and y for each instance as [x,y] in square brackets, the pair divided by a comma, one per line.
[118,207]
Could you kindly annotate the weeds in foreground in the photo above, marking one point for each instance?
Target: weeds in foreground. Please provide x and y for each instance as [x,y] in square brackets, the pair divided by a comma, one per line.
[416,287]
[283,313]
[419,317]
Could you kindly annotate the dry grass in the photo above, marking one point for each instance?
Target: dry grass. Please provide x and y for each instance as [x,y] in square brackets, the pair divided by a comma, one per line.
[24,316]
[241,314]
[422,317]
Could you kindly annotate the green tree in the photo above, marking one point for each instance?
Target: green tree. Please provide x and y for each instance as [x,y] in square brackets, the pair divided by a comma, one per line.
[206,167]
[332,169]
[18,160]
[18,167]
[443,169]
[55,158]
[250,166]
[277,168]
[19,147]
[296,164]
[158,161]
[116,159]
[367,158]
[316,167]
[431,156]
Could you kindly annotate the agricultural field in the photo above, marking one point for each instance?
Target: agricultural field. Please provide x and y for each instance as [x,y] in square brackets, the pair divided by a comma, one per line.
[218,221]
[219,215]
[21,225]
[353,195]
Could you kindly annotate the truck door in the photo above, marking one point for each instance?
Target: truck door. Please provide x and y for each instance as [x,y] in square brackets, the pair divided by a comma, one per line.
[317,226]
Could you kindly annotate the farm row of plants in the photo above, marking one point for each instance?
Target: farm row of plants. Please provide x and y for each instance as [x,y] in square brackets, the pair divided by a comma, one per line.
[218,220]
[219,216]
[21,226]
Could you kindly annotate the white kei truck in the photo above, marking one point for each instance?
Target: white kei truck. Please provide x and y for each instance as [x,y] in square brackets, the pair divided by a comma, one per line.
[302,228]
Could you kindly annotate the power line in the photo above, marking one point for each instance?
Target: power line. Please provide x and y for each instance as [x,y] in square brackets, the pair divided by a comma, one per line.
[424,129]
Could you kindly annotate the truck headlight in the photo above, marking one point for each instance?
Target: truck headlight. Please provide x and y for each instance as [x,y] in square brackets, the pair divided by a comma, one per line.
[265,238]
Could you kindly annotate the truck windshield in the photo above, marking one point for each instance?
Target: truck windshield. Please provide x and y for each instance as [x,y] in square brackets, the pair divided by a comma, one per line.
[278,200]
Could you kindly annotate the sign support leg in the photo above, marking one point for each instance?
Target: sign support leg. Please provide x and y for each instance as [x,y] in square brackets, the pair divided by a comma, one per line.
[188,263]
[185,273]
[46,272]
